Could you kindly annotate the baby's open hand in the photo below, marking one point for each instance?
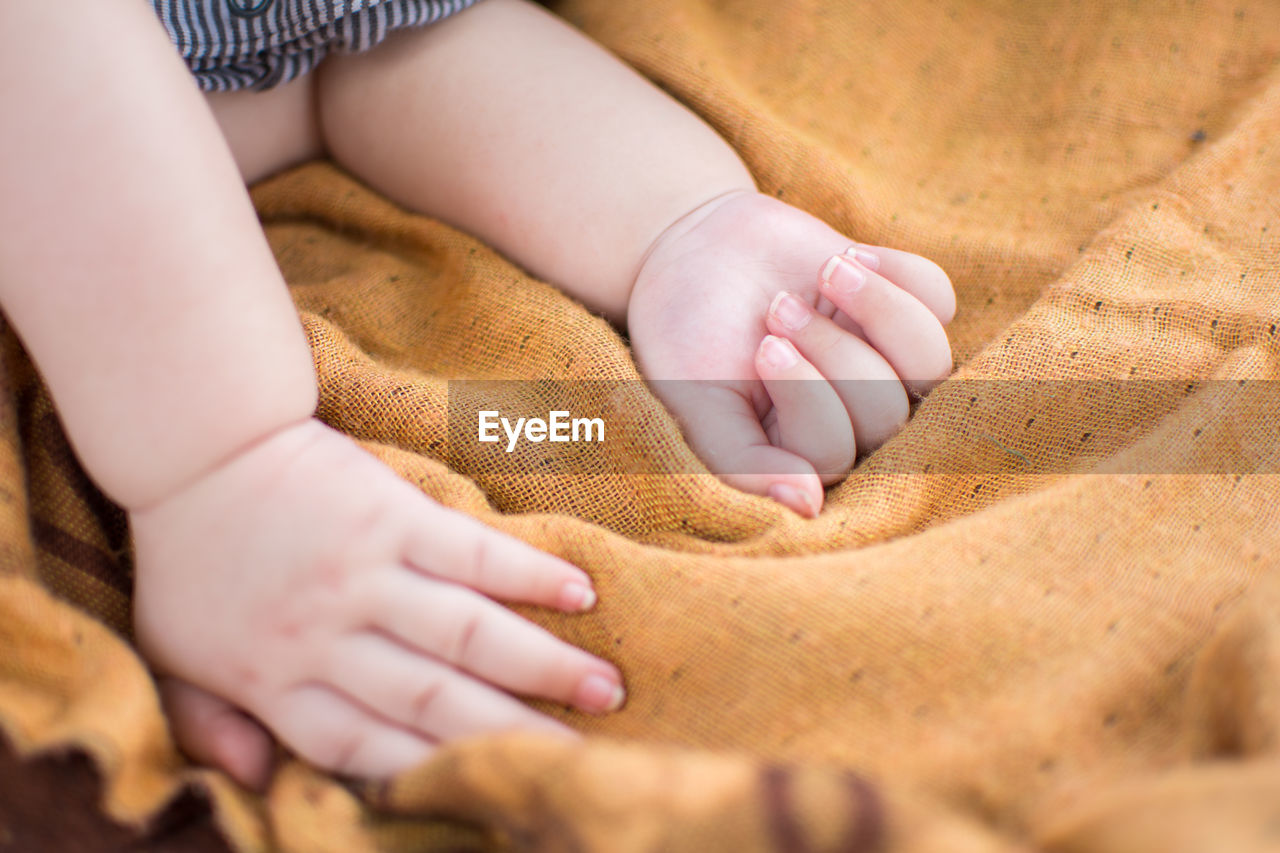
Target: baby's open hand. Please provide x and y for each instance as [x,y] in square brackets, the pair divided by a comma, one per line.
[790,349]
[306,583]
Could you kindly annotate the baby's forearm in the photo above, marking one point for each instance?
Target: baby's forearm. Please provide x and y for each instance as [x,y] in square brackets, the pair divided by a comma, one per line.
[508,123]
[131,262]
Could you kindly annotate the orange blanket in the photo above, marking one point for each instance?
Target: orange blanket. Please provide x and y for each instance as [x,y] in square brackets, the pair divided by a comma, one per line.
[1041,617]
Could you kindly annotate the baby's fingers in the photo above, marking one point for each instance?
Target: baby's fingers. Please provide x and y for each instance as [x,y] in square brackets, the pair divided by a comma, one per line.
[334,733]
[456,547]
[872,394]
[897,324]
[464,630]
[811,418]
[425,695]
[920,277]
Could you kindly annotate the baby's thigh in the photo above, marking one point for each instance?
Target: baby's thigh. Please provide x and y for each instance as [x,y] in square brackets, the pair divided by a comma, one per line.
[272,130]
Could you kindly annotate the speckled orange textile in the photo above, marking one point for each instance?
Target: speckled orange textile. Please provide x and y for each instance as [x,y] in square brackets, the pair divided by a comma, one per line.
[1070,646]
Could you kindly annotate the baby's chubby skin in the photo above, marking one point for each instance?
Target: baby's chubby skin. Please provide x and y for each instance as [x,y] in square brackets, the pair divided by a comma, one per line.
[280,569]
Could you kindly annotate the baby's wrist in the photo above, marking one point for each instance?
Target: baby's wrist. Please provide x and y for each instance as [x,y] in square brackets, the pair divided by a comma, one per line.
[678,229]
[277,439]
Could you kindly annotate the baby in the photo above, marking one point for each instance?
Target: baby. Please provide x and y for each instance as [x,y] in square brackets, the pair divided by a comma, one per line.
[284,576]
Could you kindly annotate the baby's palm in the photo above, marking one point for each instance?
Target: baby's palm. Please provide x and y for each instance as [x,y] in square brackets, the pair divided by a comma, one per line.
[777,409]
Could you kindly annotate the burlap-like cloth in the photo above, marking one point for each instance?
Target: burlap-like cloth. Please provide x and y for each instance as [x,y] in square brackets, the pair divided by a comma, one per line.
[1019,625]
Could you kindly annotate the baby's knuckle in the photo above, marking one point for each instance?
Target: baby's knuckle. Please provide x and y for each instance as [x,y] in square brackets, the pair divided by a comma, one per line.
[460,637]
[339,752]
[424,701]
[481,561]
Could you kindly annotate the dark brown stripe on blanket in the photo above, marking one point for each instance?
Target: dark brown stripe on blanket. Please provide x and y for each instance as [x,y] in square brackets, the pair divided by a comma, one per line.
[787,833]
[866,831]
[51,803]
[79,555]
[108,513]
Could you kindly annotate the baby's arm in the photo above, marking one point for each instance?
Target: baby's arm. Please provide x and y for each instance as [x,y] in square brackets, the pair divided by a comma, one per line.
[278,565]
[132,269]
[510,124]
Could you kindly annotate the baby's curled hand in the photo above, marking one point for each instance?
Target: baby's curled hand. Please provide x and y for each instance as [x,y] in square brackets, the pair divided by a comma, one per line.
[792,350]
[307,584]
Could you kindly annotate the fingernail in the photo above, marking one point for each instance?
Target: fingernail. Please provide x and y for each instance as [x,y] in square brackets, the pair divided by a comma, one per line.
[778,354]
[842,276]
[576,596]
[599,694]
[793,499]
[790,311]
[870,260]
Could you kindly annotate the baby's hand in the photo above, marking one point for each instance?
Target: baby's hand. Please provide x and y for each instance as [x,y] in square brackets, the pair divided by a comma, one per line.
[306,583]
[737,301]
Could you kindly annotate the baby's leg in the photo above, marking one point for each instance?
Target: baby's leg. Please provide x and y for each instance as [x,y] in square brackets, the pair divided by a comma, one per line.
[272,130]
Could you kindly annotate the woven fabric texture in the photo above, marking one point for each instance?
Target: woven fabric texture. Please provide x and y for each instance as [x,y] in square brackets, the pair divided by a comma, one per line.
[1019,625]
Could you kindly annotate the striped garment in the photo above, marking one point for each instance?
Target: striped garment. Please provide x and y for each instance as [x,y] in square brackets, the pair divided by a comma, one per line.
[257,44]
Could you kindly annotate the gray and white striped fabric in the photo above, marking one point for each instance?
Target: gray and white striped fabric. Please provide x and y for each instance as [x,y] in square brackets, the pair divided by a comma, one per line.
[257,44]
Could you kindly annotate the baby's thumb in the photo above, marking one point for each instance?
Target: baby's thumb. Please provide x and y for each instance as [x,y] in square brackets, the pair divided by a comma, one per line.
[215,732]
